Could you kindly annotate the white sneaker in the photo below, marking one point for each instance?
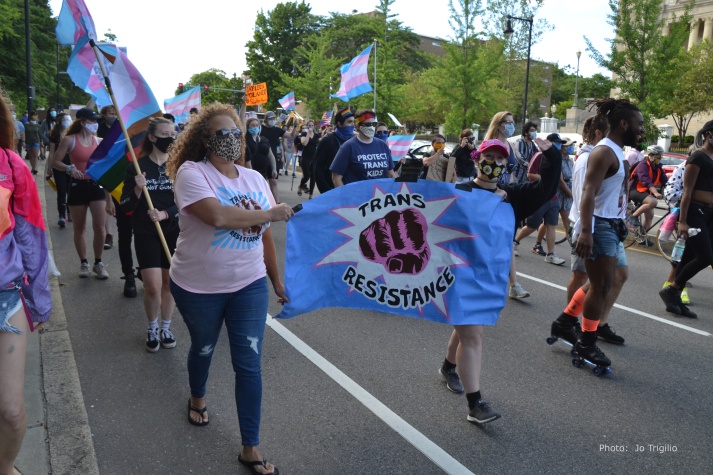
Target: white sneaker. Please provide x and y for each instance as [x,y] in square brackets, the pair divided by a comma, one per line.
[515,247]
[554,259]
[517,292]
[84,270]
[100,271]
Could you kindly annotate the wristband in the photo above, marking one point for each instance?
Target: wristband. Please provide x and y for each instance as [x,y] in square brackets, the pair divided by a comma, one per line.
[69,169]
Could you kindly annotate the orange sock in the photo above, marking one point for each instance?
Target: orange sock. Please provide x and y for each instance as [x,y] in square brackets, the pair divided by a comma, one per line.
[575,305]
[589,325]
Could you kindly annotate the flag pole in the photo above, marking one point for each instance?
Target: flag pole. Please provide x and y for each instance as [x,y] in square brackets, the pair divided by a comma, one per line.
[128,141]
[375,76]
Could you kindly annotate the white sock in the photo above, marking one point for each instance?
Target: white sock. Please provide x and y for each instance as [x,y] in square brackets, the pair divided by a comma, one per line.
[154,325]
[165,324]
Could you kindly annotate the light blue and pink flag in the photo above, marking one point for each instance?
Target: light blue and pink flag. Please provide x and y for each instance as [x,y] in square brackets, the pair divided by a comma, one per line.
[355,80]
[74,23]
[399,145]
[181,105]
[412,249]
[288,102]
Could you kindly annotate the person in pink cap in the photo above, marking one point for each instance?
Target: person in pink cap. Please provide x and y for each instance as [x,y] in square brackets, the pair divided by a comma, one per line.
[465,346]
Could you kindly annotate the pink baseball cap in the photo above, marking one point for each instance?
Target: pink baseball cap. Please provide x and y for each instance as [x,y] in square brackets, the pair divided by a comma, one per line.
[488,144]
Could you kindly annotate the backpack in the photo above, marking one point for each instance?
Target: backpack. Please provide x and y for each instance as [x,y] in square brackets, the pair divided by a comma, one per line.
[673,191]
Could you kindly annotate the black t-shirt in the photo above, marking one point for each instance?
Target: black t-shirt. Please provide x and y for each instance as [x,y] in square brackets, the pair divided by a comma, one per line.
[103,128]
[66,160]
[704,182]
[259,154]
[273,135]
[465,166]
[308,150]
[161,191]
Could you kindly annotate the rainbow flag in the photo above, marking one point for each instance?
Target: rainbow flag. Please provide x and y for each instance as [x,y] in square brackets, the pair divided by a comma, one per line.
[355,80]
[326,118]
[399,145]
[107,165]
[181,105]
[288,102]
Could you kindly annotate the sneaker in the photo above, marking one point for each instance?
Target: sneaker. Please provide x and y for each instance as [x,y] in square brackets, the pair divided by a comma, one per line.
[482,413]
[606,333]
[517,292]
[554,259]
[61,223]
[167,339]
[515,247]
[108,242]
[452,380]
[684,296]
[100,271]
[84,270]
[537,249]
[646,242]
[672,299]
[152,343]
[129,285]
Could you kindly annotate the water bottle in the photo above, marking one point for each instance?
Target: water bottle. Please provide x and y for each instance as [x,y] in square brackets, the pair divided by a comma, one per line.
[681,244]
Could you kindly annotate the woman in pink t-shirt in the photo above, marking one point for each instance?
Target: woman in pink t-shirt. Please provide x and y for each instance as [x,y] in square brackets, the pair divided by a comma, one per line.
[223,255]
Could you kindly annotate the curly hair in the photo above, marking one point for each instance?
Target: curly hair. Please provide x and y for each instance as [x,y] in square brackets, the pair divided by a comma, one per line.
[190,146]
[591,125]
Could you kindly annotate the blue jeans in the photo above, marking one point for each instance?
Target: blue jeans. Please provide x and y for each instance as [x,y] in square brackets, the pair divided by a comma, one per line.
[244,313]
[606,241]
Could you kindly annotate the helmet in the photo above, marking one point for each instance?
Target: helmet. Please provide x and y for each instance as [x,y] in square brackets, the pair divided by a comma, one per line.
[654,150]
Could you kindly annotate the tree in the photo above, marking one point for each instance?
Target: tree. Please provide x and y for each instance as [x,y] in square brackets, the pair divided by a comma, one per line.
[422,108]
[271,51]
[641,55]
[110,37]
[216,78]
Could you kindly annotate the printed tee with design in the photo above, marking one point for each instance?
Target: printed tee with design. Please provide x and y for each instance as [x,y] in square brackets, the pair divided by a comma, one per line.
[210,260]
[357,161]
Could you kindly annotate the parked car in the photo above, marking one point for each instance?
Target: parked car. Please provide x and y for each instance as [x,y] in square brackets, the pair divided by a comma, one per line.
[669,162]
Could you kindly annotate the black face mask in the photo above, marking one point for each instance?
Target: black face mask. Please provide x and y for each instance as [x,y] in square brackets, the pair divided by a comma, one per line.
[162,143]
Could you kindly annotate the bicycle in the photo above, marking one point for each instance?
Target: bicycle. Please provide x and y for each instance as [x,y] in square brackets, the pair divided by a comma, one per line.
[637,233]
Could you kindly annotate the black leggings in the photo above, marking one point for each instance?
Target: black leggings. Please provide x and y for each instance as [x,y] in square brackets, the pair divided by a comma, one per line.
[125,232]
[306,166]
[61,179]
[698,253]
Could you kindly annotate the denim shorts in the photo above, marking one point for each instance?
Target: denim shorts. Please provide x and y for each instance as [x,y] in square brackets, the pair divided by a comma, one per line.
[10,304]
[578,262]
[606,240]
[31,146]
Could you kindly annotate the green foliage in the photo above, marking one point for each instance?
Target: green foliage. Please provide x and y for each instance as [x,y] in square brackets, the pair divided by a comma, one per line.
[13,74]
[216,78]
[271,51]
[495,21]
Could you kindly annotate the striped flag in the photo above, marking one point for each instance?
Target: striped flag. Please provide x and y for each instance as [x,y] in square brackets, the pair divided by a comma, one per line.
[399,145]
[288,102]
[326,118]
[355,80]
[74,23]
[181,105]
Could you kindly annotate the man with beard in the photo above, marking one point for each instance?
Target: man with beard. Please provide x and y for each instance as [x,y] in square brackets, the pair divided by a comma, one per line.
[600,225]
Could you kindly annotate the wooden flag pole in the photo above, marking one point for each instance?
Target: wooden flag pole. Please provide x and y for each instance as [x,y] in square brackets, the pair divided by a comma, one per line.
[128,142]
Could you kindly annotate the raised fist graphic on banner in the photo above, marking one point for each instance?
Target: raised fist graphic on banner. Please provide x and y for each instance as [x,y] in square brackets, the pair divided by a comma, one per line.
[249,203]
[397,241]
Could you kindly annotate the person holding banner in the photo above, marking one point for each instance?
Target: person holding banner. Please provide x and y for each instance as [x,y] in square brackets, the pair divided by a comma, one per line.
[224,253]
[153,261]
[362,157]
[80,141]
[465,346]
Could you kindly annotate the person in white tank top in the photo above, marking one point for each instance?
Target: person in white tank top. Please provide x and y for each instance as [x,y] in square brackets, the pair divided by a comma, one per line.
[602,206]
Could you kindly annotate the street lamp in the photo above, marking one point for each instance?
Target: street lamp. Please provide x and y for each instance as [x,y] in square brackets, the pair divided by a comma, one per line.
[576,96]
[509,31]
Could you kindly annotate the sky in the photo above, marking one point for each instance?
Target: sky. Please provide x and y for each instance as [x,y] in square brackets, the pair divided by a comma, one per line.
[170,41]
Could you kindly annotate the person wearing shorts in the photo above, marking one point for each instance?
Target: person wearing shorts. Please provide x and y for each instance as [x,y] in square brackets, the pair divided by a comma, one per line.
[154,263]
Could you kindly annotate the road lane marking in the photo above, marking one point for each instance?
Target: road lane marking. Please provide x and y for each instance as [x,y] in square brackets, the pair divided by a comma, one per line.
[623,307]
[424,445]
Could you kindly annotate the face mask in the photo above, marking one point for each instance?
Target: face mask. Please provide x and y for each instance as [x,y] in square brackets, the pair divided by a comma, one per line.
[382,135]
[570,150]
[344,132]
[66,123]
[271,123]
[110,119]
[490,170]
[33,122]
[91,128]
[557,145]
[227,148]
[509,130]
[533,135]
[162,143]
[655,160]
[368,131]
[438,146]
[53,113]
[310,127]
[254,130]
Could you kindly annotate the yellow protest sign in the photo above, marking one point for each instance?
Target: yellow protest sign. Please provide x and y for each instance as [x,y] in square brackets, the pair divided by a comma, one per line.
[256,94]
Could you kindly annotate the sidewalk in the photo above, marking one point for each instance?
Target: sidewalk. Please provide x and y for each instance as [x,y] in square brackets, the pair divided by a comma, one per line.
[58,439]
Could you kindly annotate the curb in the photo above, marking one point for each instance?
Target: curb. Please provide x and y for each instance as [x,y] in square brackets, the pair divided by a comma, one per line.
[54,380]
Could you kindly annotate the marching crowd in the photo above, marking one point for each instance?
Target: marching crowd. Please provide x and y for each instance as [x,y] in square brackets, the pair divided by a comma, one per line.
[217,178]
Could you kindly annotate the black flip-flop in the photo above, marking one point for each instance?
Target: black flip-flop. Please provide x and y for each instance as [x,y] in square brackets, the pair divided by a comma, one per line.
[192,408]
[252,465]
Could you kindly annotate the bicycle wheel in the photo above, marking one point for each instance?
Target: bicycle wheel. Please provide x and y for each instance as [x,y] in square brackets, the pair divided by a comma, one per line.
[564,234]
[665,246]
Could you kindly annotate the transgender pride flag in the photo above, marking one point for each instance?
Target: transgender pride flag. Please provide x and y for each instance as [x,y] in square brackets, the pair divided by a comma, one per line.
[74,23]
[399,145]
[288,102]
[181,105]
[355,81]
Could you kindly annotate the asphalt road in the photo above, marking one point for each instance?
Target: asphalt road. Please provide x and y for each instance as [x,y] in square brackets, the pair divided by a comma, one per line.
[651,415]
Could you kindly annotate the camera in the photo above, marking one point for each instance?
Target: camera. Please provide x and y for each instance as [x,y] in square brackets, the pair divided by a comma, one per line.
[471,140]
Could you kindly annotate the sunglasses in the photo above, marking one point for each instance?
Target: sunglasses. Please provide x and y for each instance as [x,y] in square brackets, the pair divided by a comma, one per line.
[163,179]
[368,124]
[223,133]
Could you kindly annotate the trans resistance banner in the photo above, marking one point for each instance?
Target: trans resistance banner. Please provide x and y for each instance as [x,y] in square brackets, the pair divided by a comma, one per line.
[425,250]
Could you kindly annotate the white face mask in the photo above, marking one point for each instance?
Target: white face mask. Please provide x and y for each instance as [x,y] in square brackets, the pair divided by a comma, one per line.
[66,123]
[91,128]
[368,131]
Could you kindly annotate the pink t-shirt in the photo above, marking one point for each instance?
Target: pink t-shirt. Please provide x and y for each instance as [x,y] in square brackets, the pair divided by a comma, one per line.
[210,260]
